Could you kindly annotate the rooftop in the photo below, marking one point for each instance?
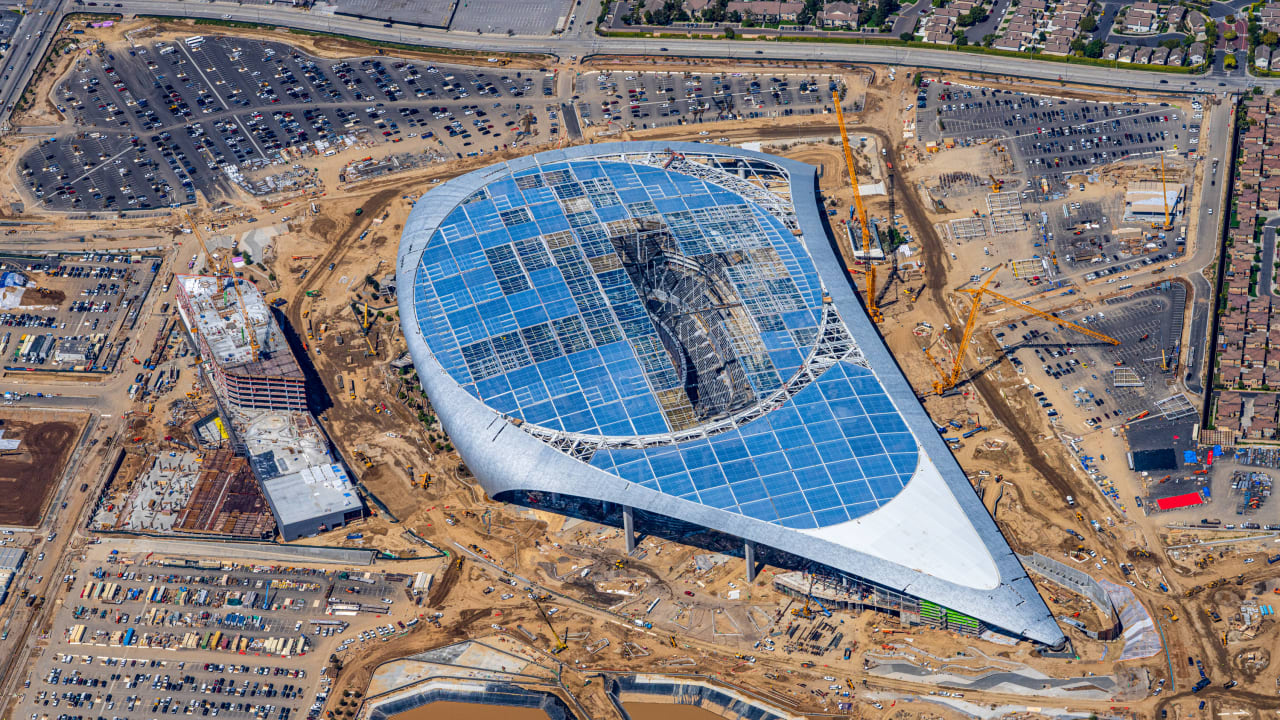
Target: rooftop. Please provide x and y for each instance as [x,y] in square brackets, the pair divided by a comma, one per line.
[219,320]
[311,492]
[667,327]
[11,558]
[280,442]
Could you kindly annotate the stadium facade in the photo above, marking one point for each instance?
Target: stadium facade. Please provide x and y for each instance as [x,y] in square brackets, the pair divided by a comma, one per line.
[660,337]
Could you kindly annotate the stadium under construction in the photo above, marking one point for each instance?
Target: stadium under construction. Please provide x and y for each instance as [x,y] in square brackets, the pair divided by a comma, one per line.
[660,337]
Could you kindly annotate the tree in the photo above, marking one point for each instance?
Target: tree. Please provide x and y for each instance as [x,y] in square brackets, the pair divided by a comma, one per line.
[728,32]
[1077,46]
[961,40]
[1229,63]
[907,36]
[988,40]
[1230,34]
[1094,48]
[1171,43]
[1089,23]
[1270,38]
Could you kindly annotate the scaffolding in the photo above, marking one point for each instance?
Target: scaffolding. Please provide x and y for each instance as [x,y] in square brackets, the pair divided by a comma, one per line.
[1126,377]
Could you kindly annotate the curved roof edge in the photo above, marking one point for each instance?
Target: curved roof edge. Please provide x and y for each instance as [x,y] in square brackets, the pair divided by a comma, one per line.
[504,458]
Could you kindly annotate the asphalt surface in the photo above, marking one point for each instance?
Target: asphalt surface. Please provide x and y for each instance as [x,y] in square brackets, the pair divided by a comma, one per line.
[1267,281]
[30,40]
[580,41]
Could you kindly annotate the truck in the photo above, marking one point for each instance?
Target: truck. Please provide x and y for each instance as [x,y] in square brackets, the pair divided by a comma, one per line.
[1273,559]
[1071,501]
[1204,683]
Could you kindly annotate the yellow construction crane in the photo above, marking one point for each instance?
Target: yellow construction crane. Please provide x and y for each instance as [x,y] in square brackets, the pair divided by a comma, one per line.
[1044,315]
[996,185]
[560,645]
[1164,197]
[222,268]
[950,379]
[872,309]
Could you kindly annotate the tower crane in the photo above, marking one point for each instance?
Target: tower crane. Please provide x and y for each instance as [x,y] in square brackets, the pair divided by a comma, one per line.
[950,379]
[872,308]
[222,268]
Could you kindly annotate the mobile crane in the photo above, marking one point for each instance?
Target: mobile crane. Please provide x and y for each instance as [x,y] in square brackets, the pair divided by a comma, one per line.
[950,379]
[872,308]
[560,645]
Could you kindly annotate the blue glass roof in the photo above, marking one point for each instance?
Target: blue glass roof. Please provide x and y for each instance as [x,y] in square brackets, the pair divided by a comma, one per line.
[608,298]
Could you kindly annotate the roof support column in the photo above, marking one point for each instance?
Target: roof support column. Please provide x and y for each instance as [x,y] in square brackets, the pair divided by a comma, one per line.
[629,527]
[749,555]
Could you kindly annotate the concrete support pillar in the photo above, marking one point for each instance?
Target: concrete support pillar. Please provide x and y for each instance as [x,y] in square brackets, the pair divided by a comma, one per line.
[629,527]
[749,555]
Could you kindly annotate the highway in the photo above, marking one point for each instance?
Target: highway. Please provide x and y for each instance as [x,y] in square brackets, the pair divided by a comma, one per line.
[582,41]
[30,40]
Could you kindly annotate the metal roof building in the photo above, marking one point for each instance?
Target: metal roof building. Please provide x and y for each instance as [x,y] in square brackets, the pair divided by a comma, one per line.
[659,336]
[313,500]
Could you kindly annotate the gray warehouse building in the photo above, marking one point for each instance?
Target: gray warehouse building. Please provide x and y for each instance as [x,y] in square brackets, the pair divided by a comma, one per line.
[313,500]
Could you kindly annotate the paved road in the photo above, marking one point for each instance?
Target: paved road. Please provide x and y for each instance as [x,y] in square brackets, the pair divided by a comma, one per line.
[1215,144]
[581,41]
[29,42]
[1267,281]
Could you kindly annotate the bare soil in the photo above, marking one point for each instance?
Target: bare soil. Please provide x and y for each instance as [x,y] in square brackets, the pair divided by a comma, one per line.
[29,474]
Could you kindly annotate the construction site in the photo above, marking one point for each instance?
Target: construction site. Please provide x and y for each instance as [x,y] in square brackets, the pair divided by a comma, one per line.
[1038,282]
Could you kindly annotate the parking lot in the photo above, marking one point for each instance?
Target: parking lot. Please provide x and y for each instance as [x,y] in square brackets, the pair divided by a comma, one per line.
[1108,384]
[159,122]
[137,640]
[1052,136]
[72,311]
[657,99]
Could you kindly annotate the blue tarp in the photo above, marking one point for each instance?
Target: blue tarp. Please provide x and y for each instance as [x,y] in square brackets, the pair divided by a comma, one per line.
[13,279]
[1217,451]
[1189,456]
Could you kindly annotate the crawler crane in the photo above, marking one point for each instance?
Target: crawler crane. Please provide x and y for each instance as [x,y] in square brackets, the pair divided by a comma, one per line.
[952,378]
[873,308]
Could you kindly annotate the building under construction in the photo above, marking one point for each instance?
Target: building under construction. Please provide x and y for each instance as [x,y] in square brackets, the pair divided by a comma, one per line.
[249,359]
[1149,201]
[262,399]
[660,337]
[227,500]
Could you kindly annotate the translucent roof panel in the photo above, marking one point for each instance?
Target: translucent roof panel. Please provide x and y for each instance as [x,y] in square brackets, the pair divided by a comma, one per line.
[604,298]
[618,299]
[836,452]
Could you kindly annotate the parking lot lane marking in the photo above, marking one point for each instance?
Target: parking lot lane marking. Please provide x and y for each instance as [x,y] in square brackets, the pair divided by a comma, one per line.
[252,139]
[98,167]
[210,87]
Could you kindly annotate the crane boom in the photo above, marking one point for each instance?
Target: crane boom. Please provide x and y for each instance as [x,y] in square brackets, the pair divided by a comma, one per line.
[1164,195]
[1047,316]
[949,380]
[872,309]
[560,645]
[219,271]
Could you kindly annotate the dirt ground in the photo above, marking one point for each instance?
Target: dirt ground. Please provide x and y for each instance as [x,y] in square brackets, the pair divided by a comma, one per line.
[29,474]
[1018,465]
